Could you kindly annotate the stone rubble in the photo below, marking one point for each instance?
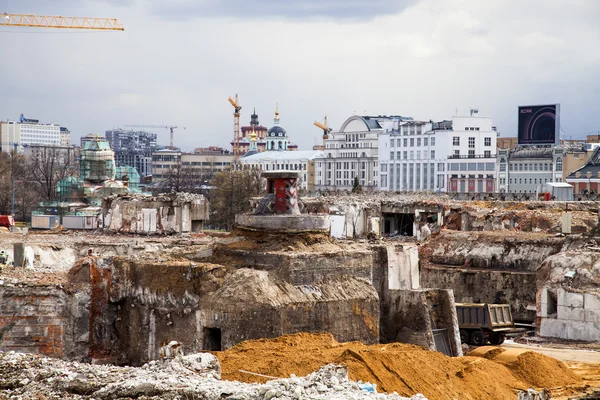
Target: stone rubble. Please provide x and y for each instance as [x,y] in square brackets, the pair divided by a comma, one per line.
[27,376]
[532,394]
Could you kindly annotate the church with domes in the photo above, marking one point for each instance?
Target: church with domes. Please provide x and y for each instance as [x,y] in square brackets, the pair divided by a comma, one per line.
[257,138]
[277,138]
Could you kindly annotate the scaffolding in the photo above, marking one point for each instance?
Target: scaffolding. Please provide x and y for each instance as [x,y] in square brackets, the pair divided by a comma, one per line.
[69,189]
[130,177]
[97,163]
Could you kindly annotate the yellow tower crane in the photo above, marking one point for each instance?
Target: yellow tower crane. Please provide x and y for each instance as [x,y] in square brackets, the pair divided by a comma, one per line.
[236,125]
[50,21]
[324,126]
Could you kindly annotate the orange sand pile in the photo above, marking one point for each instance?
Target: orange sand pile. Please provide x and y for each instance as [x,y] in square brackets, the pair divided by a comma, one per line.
[396,367]
[535,368]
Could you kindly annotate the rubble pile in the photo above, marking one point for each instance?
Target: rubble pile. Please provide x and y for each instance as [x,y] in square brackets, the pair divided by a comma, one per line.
[27,376]
[161,197]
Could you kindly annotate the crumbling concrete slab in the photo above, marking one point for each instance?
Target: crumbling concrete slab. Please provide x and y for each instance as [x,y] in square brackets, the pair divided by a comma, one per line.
[168,213]
[591,301]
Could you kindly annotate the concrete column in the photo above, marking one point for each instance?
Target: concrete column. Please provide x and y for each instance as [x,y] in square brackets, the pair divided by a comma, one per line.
[18,254]
[465,222]
[566,222]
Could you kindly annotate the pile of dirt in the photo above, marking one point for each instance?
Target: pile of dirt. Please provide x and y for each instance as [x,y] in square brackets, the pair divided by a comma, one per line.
[543,371]
[401,368]
[535,368]
[300,242]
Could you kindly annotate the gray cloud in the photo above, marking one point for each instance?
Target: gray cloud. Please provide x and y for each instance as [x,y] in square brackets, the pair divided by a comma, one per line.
[423,61]
[296,9]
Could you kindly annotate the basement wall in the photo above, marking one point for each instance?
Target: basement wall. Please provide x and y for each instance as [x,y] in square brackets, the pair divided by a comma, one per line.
[568,315]
[44,320]
[414,315]
[486,286]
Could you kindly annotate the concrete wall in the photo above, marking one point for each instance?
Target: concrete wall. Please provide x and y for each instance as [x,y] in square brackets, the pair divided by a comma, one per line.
[486,286]
[255,304]
[487,267]
[45,320]
[577,315]
[145,214]
[402,267]
[301,268]
[414,314]
[156,303]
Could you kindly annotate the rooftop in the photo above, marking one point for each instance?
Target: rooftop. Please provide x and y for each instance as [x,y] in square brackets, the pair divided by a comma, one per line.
[285,155]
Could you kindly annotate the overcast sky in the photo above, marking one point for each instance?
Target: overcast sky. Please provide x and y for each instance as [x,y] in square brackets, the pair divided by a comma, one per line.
[177,62]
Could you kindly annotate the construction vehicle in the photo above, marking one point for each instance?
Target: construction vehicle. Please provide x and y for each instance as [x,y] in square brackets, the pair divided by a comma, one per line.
[169,127]
[326,129]
[7,221]
[480,323]
[49,21]
[236,124]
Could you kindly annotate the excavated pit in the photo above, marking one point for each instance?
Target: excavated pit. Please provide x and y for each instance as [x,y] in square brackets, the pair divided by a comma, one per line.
[118,302]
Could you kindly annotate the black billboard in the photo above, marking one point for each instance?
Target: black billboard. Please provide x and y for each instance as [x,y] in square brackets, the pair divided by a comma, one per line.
[539,124]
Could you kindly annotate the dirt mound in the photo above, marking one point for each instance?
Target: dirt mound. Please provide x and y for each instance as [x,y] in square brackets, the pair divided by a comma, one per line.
[542,371]
[488,352]
[396,367]
[534,368]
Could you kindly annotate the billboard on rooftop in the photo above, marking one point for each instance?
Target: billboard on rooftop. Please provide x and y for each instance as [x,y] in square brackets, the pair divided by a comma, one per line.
[539,125]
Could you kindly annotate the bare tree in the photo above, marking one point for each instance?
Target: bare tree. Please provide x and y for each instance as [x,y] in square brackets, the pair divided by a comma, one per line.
[182,178]
[231,194]
[13,175]
[47,166]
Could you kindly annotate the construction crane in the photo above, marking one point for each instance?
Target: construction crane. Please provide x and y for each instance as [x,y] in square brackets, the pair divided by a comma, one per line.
[324,126]
[169,127]
[49,21]
[236,124]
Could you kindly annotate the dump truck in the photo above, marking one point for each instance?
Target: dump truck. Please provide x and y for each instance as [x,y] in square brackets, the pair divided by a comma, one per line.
[483,322]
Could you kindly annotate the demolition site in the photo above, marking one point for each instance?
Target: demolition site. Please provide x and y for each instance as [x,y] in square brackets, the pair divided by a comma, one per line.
[362,295]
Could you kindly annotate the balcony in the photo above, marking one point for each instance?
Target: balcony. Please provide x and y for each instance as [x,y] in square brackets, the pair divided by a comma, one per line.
[455,157]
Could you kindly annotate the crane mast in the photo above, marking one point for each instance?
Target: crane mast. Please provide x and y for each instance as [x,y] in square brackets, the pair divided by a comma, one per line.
[55,21]
[236,125]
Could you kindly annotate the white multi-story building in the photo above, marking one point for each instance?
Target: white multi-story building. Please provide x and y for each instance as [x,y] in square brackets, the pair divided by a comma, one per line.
[352,152]
[65,136]
[447,156]
[196,166]
[14,135]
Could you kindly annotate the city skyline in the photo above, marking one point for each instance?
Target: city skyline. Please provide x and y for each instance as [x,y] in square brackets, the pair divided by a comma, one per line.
[417,58]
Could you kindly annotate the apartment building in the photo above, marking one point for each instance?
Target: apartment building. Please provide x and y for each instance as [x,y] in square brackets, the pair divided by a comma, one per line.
[457,155]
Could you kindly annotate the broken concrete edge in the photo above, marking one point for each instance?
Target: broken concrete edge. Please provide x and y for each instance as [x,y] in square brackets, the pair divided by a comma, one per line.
[284,222]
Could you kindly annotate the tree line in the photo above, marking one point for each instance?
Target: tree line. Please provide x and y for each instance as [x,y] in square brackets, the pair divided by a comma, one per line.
[29,180]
